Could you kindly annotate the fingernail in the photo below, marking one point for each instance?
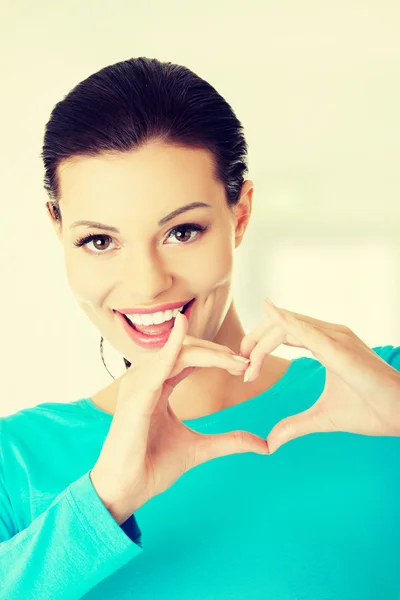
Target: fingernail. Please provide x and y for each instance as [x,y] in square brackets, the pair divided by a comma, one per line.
[246,376]
[249,374]
[241,358]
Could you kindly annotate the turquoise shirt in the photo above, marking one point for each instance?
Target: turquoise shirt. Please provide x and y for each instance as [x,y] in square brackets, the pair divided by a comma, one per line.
[317,520]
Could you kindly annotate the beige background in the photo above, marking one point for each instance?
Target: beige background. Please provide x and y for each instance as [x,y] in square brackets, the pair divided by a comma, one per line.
[316,86]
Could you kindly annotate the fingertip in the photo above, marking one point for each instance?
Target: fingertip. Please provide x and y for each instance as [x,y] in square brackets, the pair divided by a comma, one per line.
[178,322]
[178,331]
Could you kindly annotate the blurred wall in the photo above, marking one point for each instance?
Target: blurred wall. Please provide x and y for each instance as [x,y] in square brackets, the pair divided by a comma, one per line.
[316,86]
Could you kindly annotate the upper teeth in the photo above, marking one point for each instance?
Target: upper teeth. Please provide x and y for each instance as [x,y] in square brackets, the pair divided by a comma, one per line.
[154,318]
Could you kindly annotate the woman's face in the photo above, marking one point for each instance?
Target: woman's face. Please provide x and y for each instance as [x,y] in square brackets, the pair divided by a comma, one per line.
[146,263]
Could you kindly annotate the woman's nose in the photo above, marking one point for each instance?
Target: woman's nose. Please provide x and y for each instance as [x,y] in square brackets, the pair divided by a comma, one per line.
[147,275]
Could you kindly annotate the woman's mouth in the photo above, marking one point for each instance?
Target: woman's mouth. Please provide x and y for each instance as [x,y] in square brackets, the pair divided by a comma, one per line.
[153,335]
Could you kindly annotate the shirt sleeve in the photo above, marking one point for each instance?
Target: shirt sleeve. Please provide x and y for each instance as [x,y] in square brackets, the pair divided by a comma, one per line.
[67,550]
[390,354]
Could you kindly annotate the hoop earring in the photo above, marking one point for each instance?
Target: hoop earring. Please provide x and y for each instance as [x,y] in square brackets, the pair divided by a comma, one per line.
[102,357]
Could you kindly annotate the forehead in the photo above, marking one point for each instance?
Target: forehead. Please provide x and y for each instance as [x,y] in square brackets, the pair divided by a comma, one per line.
[156,172]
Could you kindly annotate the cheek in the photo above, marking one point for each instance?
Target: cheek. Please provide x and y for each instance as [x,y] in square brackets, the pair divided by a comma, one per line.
[86,281]
[211,266]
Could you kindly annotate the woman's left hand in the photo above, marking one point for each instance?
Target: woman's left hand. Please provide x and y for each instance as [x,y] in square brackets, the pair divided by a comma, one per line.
[361,392]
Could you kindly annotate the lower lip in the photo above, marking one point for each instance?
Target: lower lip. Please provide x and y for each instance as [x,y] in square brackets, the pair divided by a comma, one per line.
[149,341]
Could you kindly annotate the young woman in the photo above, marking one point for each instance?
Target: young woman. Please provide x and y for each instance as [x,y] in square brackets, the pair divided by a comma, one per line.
[118,495]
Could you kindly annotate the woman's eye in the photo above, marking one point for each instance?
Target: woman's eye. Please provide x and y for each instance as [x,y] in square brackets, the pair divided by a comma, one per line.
[186,229]
[88,239]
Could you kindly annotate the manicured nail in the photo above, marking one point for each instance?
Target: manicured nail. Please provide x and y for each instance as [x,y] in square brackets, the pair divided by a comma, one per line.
[246,376]
[241,358]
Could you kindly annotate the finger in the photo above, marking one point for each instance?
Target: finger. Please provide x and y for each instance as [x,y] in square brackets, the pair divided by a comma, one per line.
[194,341]
[150,376]
[331,352]
[274,337]
[309,421]
[167,356]
[193,356]
[159,371]
[250,340]
[271,340]
[334,349]
[263,329]
[223,444]
[305,318]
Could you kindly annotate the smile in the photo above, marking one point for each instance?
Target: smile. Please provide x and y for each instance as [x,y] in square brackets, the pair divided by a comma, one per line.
[155,318]
[144,329]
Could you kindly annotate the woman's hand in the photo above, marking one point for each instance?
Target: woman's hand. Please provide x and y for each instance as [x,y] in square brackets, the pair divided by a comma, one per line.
[147,447]
[361,393]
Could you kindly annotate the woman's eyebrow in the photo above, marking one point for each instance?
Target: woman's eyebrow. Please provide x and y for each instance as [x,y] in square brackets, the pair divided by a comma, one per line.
[161,222]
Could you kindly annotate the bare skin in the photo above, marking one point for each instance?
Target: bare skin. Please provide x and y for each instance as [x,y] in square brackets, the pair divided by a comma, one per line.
[274,368]
[145,265]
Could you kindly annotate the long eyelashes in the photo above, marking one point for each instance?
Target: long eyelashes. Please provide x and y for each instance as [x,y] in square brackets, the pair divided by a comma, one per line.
[186,227]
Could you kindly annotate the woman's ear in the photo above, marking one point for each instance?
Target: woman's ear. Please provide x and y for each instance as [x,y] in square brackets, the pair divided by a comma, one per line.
[56,223]
[243,211]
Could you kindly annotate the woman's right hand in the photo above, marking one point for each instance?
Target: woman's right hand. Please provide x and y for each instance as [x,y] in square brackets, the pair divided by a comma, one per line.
[147,447]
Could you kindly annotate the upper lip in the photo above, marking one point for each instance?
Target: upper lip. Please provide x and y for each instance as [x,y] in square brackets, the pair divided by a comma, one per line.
[152,309]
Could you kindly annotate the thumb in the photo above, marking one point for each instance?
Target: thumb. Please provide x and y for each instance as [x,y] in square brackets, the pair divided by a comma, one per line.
[151,376]
[295,426]
[234,442]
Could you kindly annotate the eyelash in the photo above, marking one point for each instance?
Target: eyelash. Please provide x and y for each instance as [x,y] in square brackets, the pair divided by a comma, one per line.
[83,241]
